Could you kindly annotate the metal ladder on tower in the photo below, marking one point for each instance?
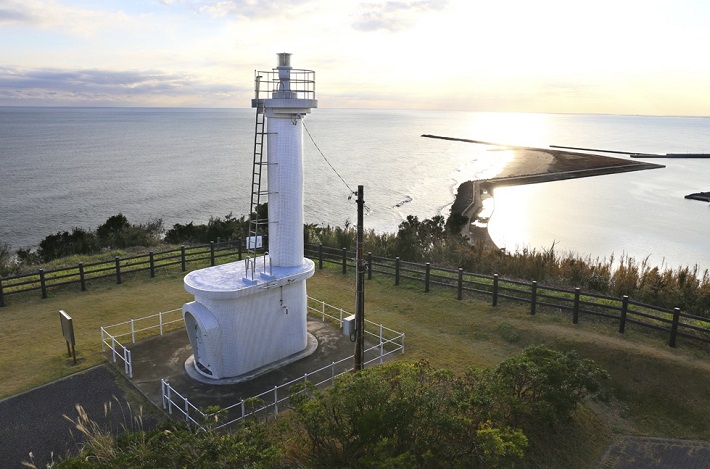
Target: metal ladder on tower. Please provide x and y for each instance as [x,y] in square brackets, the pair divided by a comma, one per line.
[256,223]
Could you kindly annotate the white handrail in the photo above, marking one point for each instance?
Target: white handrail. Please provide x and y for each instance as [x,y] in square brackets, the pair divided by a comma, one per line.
[388,342]
[396,343]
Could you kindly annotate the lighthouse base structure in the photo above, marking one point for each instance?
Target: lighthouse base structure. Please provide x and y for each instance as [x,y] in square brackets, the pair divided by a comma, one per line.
[242,322]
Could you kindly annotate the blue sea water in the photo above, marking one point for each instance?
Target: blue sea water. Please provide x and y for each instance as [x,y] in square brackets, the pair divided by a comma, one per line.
[74,167]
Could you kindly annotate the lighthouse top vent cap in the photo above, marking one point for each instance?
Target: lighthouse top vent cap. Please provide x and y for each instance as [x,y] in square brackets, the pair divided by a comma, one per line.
[284,59]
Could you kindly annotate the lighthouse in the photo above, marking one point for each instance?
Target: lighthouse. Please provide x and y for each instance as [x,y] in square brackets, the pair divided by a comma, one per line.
[250,316]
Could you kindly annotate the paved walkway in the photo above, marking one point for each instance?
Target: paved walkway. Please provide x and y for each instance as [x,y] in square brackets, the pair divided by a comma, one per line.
[634,452]
[34,421]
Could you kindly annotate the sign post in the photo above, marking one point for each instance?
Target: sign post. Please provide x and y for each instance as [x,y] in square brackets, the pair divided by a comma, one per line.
[68,333]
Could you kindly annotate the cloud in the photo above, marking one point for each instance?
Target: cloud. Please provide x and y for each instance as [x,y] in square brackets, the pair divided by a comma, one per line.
[16,12]
[394,16]
[56,86]
[256,9]
[57,17]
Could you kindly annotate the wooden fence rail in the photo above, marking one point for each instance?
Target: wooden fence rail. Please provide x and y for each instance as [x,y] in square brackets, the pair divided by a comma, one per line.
[43,280]
[672,322]
[576,303]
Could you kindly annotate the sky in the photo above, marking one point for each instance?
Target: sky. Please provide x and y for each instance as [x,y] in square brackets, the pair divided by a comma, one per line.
[604,56]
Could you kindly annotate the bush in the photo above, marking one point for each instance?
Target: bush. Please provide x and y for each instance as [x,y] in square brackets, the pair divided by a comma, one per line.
[174,444]
[113,226]
[400,415]
[411,415]
[115,233]
[216,229]
[118,233]
[541,387]
[63,244]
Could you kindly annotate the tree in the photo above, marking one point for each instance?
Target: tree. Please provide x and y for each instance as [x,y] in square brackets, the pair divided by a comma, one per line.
[113,226]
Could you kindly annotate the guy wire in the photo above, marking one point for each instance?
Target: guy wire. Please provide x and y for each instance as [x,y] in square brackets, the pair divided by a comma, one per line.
[352,192]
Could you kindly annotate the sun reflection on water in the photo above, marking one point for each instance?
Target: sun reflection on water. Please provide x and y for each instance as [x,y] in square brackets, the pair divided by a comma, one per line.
[511,128]
[509,227]
[519,129]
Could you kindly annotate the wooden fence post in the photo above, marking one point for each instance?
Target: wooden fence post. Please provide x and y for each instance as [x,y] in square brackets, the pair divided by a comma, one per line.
[495,289]
[575,310]
[81,276]
[239,247]
[427,274]
[320,256]
[674,327]
[459,286]
[533,297]
[369,265]
[182,258]
[152,264]
[396,271]
[624,310]
[2,295]
[42,283]
[118,270]
[345,261]
[212,253]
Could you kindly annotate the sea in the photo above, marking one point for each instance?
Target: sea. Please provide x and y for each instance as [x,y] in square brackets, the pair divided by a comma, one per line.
[62,168]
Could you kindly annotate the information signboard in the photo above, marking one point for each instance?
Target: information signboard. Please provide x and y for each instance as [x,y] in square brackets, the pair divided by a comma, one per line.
[68,333]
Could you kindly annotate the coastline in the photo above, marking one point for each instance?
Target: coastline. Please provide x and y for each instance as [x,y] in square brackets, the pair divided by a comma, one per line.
[532,166]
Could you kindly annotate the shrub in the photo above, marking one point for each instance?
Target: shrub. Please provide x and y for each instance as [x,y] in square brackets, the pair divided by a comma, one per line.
[118,233]
[400,415]
[540,388]
[174,444]
[113,226]
[217,228]
[63,244]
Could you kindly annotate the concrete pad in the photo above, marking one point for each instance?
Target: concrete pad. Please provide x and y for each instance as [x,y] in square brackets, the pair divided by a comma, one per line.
[190,367]
[165,356]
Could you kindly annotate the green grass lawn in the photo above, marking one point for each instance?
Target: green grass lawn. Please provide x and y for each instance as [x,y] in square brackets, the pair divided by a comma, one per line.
[654,389]
[33,349]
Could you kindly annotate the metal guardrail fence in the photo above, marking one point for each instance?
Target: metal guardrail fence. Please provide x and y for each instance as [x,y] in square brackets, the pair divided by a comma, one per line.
[272,401]
[159,322]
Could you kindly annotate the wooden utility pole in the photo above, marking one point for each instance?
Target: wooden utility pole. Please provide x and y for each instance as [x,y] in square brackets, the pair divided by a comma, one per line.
[360,286]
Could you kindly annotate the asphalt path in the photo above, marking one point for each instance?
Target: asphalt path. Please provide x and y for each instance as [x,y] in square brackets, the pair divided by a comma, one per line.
[34,420]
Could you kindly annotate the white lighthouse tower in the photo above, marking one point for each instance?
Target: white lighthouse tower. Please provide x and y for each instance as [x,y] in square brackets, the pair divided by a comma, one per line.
[250,316]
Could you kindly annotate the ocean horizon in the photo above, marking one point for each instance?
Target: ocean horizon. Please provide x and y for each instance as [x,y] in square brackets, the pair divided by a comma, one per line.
[75,167]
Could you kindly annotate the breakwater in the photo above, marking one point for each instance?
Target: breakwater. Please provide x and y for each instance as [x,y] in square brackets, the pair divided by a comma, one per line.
[532,166]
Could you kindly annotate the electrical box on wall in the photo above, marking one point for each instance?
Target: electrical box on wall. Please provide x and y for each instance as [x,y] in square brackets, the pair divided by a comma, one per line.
[349,325]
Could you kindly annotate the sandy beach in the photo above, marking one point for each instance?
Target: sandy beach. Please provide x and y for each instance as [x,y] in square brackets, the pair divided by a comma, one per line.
[531,166]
